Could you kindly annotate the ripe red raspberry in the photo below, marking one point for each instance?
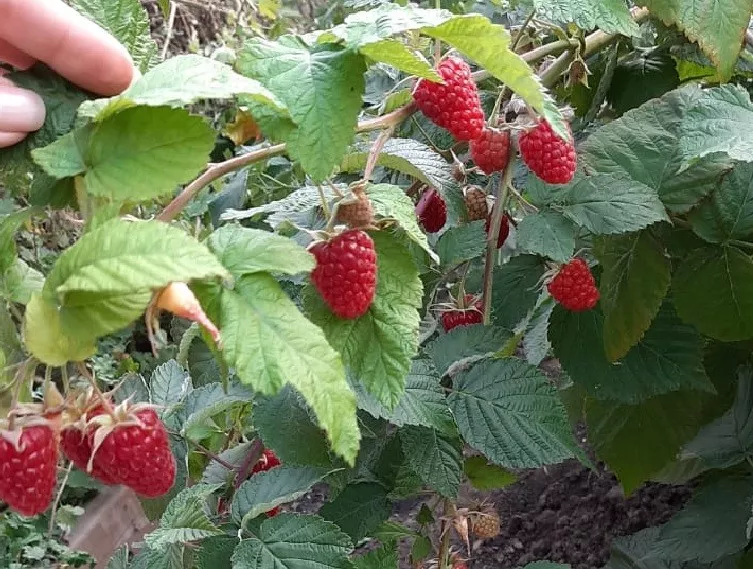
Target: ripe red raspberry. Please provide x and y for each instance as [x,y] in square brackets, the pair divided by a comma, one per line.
[268,461]
[28,468]
[504,229]
[491,150]
[431,211]
[346,272]
[77,448]
[137,456]
[455,105]
[574,286]
[547,155]
[471,313]
[475,203]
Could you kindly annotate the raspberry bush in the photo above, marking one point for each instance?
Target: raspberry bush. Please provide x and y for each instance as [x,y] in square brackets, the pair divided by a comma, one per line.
[338,258]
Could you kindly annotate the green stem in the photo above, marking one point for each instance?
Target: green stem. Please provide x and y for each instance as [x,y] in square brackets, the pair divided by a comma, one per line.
[56,503]
[323,199]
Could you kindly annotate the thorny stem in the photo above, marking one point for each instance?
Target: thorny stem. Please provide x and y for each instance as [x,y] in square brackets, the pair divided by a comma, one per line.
[56,503]
[501,194]
[444,545]
[253,456]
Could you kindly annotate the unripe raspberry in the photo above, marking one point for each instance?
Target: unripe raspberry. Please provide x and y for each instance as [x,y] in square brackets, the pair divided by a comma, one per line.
[491,150]
[574,286]
[547,155]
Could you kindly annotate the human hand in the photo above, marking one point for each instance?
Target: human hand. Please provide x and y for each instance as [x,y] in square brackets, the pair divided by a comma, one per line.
[75,47]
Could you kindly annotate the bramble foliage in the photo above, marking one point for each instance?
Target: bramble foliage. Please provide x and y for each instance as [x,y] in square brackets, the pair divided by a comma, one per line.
[381,407]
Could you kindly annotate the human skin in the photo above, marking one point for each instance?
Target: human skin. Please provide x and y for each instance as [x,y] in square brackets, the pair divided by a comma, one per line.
[75,47]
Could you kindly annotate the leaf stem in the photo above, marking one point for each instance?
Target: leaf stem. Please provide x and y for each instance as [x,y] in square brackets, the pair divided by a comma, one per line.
[212,455]
[56,503]
[375,150]
[323,200]
[444,545]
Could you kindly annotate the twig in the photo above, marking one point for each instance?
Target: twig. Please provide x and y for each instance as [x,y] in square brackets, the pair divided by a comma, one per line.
[253,456]
[376,149]
[518,37]
[56,503]
[214,456]
[444,545]
[169,31]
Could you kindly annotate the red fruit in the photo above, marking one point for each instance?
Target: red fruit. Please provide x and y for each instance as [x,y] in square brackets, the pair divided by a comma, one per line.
[455,105]
[345,272]
[574,286]
[28,468]
[77,448]
[137,456]
[431,211]
[463,316]
[504,229]
[547,155]
[267,461]
[273,512]
[491,150]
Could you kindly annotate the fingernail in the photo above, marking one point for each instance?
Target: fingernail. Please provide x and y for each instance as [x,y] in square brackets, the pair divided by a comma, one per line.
[20,110]
[11,138]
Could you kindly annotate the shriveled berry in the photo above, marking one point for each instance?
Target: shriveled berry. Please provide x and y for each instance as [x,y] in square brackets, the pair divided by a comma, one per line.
[475,204]
[471,313]
[431,211]
[485,525]
[454,105]
[547,155]
[356,212]
[138,456]
[491,150]
[504,229]
[28,470]
[574,286]
[346,273]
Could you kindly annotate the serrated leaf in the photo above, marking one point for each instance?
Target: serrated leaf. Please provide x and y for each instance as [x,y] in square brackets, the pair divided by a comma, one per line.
[424,402]
[381,558]
[185,519]
[267,490]
[245,251]
[390,532]
[303,542]
[711,525]
[180,81]
[728,212]
[216,552]
[128,22]
[727,314]
[119,559]
[635,279]
[169,384]
[463,243]
[359,509]
[105,281]
[216,473]
[717,25]
[508,410]
[611,16]
[548,234]
[169,557]
[391,202]
[138,154]
[485,476]
[516,289]
[436,458]
[400,56]
[645,145]
[322,88]
[378,347]
[9,225]
[270,343]
[465,342]
[296,440]
[636,441]
[207,401]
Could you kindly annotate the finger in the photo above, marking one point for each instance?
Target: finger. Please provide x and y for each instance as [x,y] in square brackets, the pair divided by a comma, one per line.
[14,56]
[75,47]
[11,138]
[20,110]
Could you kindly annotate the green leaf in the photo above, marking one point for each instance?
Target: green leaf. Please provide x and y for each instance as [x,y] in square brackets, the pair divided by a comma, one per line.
[644,145]
[293,540]
[729,439]
[19,282]
[185,519]
[119,559]
[398,55]
[390,532]
[423,404]
[489,45]
[485,476]
[128,21]
[717,25]
[463,243]
[728,213]
[245,251]
[270,343]
[548,234]
[515,289]
[180,81]
[436,458]
[727,314]
[169,384]
[378,347]
[216,552]
[636,441]
[138,154]
[267,490]
[9,225]
[390,202]
[465,342]
[711,525]
[296,440]
[216,473]
[169,557]
[381,558]
[509,411]
[612,16]
[322,87]
[105,281]
[634,282]
[45,338]
[203,403]
[359,509]
[668,357]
